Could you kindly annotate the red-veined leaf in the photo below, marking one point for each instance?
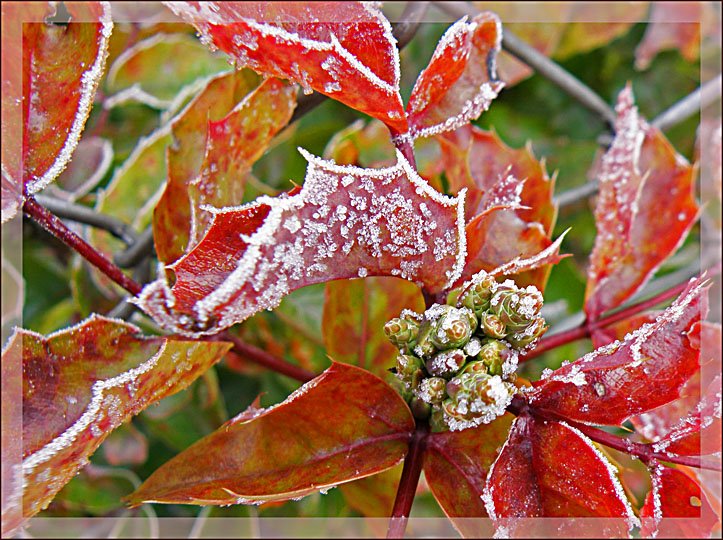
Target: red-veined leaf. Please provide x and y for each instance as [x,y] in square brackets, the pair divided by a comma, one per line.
[674,494]
[56,72]
[456,464]
[644,211]
[343,425]
[81,383]
[344,50]
[550,469]
[374,496]
[460,81]
[354,315]
[645,370]
[345,222]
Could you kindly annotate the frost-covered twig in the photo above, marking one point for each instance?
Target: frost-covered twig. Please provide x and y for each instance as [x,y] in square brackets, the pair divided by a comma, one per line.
[87,216]
[51,223]
[408,482]
[541,64]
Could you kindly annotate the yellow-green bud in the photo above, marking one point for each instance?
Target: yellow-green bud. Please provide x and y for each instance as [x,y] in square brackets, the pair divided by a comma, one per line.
[494,353]
[431,390]
[474,399]
[492,326]
[453,328]
[478,297]
[402,332]
[529,335]
[517,308]
[446,363]
[410,370]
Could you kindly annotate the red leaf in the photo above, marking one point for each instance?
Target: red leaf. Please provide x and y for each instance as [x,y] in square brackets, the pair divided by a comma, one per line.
[644,211]
[345,222]
[81,383]
[456,465]
[344,50]
[676,495]
[673,25]
[355,312]
[343,425]
[460,81]
[635,375]
[549,469]
[56,74]
[374,496]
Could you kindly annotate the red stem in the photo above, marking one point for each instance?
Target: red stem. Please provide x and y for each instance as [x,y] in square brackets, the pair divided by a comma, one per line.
[587,328]
[43,217]
[408,482]
[403,142]
[265,359]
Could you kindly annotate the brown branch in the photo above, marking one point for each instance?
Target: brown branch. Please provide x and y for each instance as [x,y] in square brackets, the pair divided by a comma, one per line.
[408,482]
[51,223]
[263,358]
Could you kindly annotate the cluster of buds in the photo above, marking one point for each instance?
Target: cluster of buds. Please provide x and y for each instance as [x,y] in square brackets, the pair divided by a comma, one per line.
[457,361]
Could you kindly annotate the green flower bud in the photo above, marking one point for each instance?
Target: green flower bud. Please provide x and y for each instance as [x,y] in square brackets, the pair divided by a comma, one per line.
[474,399]
[453,328]
[517,308]
[410,370]
[424,347]
[478,297]
[453,296]
[494,354]
[420,409]
[431,390]
[492,326]
[402,332]
[529,335]
[446,363]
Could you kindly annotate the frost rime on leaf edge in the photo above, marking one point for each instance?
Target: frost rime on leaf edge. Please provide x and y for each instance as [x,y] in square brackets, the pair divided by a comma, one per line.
[89,82]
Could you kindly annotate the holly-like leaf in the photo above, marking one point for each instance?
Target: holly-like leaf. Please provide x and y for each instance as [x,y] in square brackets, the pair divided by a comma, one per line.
[645,370]
[343,425]
[155,70]
[81,383]
[318,45]
[456,464]
[674,494]
[460,81]
[345,222]
[550,469]
[56,73]
[644,211]
[354,314]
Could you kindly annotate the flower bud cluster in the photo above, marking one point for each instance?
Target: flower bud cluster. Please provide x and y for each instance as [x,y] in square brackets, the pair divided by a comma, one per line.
[457,361]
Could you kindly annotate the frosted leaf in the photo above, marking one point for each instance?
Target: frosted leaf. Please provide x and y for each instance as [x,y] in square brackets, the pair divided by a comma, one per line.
[460,81]
[250,258]
[316,44]
[638,223]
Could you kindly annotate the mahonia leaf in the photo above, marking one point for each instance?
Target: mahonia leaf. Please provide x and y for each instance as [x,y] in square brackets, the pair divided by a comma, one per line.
[700,431]
[57,78]
[355,312]
[189,129]
[374,496]
[460,81]
[551,469]
[482,163]
[645,370]
[81,383]
[318,45]
[675,25]
[345,222]
[674,494]
[134,75]
[211,167]
[456,464]
[656,424]
[644,211]
[343,425]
